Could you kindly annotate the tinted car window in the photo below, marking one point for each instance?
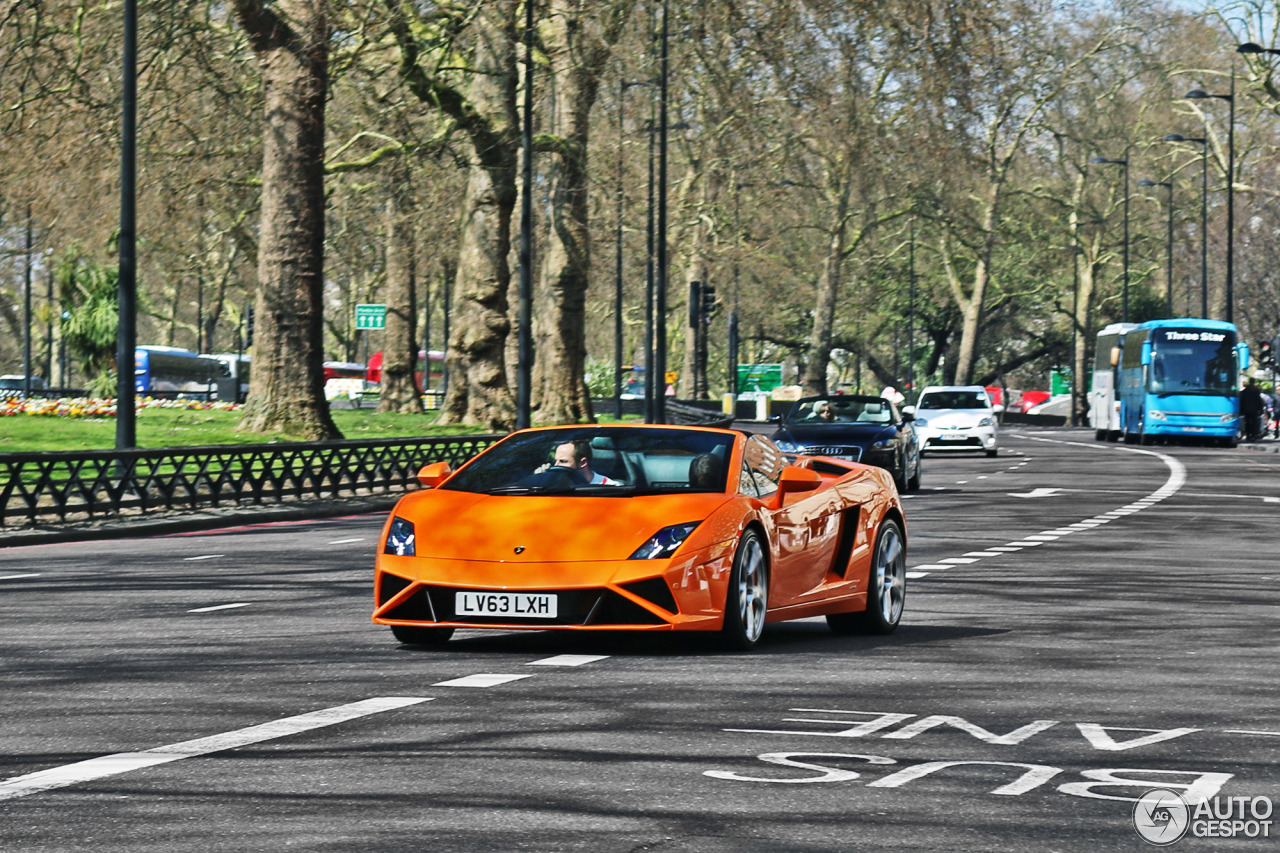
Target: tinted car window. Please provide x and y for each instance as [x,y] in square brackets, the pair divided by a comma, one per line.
[954,400]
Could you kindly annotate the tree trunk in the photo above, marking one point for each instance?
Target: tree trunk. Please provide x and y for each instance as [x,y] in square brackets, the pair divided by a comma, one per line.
[818,353]
[287,384]
[579,35]
[400,344]
[971,308]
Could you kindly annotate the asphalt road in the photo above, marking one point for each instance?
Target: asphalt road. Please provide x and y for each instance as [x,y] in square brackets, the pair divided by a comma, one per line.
[1084,622]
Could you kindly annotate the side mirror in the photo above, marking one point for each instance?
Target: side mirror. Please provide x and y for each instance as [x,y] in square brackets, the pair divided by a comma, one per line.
[434,474]
[1115,355]
[775,419]
[997,408]
[1146,352]
[907,417]
[1242,353]
[795,479]
[909,410]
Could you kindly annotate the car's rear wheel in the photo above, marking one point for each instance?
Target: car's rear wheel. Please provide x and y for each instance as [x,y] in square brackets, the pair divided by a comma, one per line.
[413,635]
[886,587]
[747,601]
[913,482]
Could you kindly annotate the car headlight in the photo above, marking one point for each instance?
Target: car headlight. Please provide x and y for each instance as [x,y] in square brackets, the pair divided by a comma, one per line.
[1227,419]
[883,444]
[400,538]
[987,422]
[921,422]
[1157,415]
[665,542]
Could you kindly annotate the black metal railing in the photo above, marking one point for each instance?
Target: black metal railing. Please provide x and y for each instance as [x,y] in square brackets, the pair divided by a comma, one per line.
[71,486]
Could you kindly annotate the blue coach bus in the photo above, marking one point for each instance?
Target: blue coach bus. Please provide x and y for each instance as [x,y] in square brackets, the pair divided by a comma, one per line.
[1172,378]
[173,372]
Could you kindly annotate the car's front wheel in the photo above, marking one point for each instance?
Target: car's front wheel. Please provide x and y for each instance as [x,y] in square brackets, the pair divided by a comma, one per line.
[414,635]
[886,587]
[747,601]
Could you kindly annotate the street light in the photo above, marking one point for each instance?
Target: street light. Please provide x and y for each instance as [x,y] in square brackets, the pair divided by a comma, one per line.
[623,86]
[1230,98]
[524,303]
[1124,313]
[1203,142]
[127,288]
[1168,289]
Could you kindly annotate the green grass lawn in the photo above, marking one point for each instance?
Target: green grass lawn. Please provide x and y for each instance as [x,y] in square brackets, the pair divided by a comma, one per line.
[186,428]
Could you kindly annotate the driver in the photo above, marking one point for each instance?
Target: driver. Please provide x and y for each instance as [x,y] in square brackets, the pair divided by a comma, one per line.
[576,455]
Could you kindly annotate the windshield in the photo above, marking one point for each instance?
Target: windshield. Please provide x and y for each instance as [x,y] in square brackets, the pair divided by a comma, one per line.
[954,400]
[841,410]
[600,461]
[1193,361]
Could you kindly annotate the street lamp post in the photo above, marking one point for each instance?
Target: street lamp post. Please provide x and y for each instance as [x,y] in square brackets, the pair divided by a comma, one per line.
[1230,98]
[1203,142]
[623,86]
[1124,310]
[126,292]
[1168,289]
[524,342]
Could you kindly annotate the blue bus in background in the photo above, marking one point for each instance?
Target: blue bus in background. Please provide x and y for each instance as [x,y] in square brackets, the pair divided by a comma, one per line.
[172,372]
[1169,378]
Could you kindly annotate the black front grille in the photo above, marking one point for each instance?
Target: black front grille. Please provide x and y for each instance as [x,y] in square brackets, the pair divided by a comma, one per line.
[854,453]
[596,607]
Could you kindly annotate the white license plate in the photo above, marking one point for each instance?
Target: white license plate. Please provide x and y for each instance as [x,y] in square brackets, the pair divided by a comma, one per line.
[952,437]
[1193,429]
[521,605]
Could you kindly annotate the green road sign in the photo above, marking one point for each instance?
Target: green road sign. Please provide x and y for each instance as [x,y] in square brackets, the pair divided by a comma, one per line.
[371,316]
[759,377]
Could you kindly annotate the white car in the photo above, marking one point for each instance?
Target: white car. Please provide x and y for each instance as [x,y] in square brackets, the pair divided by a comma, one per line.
[956,417]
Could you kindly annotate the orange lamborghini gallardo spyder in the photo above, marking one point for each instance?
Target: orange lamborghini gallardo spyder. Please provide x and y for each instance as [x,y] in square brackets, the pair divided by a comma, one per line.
[642,528]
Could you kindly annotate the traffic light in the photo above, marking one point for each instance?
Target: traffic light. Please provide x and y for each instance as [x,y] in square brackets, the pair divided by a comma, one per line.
[1266,356]
[708,302]
[695,303]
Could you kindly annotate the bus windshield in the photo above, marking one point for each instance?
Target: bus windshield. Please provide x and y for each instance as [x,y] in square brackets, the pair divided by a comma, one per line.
[1193,361]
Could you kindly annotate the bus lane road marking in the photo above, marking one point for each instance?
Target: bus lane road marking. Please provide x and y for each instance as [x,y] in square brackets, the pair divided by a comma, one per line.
[124,762]
[1176,480]
[1126,783]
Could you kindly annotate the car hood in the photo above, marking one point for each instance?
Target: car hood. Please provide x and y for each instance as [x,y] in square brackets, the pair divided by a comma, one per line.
[953,417]
[468,526]
[859,434]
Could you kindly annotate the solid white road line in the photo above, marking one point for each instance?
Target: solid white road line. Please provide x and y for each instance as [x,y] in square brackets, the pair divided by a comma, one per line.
[219,607]
[347,541]
[123,762]
[482,679]
[19,577]
[202,557]
[568,660]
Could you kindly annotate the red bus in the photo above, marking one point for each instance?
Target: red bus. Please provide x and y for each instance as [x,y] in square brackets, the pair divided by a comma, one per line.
[435,380]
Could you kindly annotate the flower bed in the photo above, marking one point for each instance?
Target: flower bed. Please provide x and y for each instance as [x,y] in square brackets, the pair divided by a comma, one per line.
[85,407]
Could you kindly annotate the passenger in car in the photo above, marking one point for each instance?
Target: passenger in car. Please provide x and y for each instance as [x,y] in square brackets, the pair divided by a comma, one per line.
[704,472]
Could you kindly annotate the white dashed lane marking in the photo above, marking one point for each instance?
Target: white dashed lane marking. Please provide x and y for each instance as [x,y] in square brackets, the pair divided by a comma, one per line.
[568,660]
[347,541]
[480,679]
[220,607]
[202,557]
[123,762]
[19,577]
[1177,478]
